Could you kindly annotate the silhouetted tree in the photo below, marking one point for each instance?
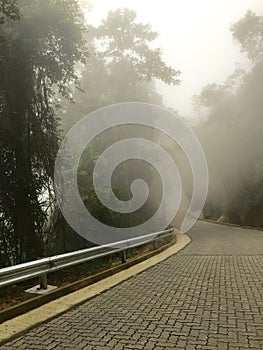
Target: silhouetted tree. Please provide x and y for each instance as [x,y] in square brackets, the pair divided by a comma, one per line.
[232,134]
[38,54]
[122,66]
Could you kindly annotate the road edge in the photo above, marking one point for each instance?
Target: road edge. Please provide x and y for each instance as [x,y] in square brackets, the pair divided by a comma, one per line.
[255,228]
[21,324]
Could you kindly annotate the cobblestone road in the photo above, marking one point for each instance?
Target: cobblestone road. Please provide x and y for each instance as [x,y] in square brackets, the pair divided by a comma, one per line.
[208,296]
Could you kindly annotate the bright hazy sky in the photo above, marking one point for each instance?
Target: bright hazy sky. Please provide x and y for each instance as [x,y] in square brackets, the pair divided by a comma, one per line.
[195,38]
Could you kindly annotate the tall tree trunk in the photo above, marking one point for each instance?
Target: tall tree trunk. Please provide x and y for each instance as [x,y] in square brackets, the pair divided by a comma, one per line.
[25,229]
[26,205]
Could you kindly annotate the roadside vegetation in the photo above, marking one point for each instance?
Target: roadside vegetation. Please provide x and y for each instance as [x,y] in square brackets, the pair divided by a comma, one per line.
[53,72]
[231,133]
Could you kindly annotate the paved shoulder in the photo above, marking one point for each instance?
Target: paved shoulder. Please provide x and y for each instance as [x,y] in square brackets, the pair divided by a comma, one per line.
[208,296]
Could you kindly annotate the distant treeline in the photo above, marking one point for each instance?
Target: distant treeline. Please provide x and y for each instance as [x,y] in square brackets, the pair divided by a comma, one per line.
[232,132]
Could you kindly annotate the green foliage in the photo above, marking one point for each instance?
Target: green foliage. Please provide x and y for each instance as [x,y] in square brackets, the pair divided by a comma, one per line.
[232,134]
[123,66]
[248,31]
[122,39]
[90,198]
[8,10]
[42,53]
[37,62]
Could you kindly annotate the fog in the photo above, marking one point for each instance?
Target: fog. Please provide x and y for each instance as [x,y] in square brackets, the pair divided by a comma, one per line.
[219,94]
[200,61]
[195,38]
[232,139]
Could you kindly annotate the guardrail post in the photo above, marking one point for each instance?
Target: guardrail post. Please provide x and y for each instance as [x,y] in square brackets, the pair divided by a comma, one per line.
[155,244]
[43,281]
[123,256]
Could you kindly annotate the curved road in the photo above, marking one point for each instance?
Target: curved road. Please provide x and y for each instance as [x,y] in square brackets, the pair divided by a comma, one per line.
[207,296]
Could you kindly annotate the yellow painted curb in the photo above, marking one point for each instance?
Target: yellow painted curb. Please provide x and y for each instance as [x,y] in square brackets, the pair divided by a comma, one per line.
[22,323]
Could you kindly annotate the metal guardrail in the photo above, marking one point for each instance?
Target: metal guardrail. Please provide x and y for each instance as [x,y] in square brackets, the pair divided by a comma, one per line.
[40,268]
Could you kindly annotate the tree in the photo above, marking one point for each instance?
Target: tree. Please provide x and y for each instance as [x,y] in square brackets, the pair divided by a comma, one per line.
[123,40]
[8,10]
[37,63]
[122,66]
[232,132]
[248,31]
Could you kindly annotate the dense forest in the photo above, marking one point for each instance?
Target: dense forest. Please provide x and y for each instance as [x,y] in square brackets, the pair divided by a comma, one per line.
[49,58]
[56,68]
[232,133]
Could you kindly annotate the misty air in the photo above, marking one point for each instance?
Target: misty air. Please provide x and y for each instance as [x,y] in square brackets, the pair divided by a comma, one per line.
[131,175]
